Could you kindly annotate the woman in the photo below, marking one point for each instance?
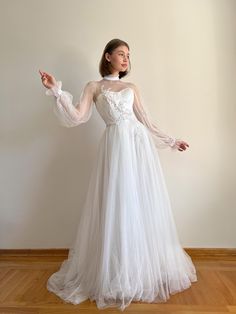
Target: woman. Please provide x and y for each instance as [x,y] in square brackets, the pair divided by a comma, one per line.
[127,247]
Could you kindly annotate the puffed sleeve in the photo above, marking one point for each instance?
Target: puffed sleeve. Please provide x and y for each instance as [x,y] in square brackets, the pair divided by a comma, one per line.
[161,139]
[68,114]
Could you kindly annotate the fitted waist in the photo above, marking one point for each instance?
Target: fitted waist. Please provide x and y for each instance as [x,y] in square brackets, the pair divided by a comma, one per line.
[118,121]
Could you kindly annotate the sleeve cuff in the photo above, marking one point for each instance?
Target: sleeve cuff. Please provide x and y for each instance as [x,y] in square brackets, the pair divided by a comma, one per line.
[172,142]
[55,90]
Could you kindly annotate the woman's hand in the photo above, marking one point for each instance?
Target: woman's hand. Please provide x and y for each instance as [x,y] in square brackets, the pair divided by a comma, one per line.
[181,145]
[47,79]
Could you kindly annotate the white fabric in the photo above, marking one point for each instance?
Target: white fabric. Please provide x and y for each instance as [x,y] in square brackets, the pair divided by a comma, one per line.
[111,77]
[127,247]
[71,115]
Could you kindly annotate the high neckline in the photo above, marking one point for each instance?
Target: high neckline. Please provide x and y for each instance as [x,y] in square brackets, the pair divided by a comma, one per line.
[111,77]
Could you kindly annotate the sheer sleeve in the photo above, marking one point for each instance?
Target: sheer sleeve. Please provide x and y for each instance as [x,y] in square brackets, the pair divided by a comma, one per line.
[68,114]
[161,139]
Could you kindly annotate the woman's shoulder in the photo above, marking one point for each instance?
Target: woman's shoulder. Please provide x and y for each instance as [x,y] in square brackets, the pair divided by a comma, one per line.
[133,86]
[91,83]
[94,84]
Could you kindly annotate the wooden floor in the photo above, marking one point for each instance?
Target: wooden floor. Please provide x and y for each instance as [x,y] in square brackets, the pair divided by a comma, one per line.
[23,290]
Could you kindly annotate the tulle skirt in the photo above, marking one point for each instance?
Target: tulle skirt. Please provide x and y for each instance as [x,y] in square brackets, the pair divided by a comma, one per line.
[127,247]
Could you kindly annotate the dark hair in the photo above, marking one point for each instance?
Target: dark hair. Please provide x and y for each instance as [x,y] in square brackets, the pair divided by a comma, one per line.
[104,65]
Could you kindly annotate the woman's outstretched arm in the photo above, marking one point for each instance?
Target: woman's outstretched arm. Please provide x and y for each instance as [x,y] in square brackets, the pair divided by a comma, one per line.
[161,139]
[68,114]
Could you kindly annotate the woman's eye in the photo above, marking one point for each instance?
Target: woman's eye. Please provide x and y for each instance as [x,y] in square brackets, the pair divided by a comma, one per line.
[121,54]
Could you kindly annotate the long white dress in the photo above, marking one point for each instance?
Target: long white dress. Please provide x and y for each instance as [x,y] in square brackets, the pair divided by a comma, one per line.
[127,247]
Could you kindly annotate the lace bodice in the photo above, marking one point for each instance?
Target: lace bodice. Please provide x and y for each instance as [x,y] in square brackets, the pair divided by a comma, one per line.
[115,106]
[114,100]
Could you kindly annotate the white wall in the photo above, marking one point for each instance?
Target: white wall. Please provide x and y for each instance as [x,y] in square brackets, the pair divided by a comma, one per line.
[183,60]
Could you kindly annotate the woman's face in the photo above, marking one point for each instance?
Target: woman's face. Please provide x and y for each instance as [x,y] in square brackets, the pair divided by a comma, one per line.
[119,59]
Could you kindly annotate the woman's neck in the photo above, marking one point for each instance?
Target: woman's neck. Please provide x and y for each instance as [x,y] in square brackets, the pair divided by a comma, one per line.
[112,77]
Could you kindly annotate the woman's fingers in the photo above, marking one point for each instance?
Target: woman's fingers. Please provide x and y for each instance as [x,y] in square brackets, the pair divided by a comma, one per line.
[44,74]
[185,143]
[182,146]
[47,79]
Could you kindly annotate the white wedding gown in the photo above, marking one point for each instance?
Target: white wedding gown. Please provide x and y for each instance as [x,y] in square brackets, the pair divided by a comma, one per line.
[127,247]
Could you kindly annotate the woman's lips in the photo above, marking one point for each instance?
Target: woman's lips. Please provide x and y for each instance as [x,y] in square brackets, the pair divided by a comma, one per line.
[124,65]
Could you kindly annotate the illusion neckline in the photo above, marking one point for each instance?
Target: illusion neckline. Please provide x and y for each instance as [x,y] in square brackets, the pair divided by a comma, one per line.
[111,91]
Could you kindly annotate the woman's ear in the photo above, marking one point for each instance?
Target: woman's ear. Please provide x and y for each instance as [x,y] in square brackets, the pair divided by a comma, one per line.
[107,56]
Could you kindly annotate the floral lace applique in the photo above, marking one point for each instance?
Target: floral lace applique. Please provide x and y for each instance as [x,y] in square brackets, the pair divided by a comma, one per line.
[119,105]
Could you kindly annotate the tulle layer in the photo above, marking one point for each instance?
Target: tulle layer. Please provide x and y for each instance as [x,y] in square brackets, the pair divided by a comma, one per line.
[127,247]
